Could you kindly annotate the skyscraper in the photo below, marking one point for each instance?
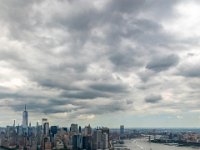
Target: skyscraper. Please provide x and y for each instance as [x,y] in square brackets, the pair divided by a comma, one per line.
[25,118]
[46,129]
[121,130]
[45,126]
[88,130]
[77,142]
[74,128]
[122,135]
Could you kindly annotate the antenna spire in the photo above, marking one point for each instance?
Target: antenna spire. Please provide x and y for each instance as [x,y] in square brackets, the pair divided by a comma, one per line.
[25,107]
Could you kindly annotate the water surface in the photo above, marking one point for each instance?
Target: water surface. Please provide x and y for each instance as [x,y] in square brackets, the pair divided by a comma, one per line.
[143,144]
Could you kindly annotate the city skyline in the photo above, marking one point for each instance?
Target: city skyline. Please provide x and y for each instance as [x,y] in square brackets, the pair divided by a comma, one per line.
[105,62]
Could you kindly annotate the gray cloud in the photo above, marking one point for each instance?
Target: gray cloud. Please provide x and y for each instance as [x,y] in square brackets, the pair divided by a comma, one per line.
[87,94]
[110,88]
[86,58]
[163,62]
[127,6]
[125,60]
[111,107]
[153,98]
[190,70]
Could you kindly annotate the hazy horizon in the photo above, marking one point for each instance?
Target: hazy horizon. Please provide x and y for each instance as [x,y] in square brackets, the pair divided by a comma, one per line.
[103,62]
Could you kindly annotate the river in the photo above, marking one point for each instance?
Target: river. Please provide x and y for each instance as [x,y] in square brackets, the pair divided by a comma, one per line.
[143,144]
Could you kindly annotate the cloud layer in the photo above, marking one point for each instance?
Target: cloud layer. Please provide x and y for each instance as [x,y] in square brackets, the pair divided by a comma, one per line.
[93,60]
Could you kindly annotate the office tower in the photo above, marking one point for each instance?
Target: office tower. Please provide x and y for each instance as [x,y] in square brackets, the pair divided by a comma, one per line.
[74,128]
[38,134]
[46,143]
[121,133]
[87,142]
[25,118]
[107,131]
[105,140]
[121,130]
[54,130]
[45,126]
[46,129]
[77,142]
[88,130]
[97,143]
[101,138]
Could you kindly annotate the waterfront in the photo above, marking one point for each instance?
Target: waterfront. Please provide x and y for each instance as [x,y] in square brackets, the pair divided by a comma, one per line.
[143,144]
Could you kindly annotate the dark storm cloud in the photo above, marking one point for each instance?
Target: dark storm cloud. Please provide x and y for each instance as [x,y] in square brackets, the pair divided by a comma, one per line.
[153,99]
[163,62]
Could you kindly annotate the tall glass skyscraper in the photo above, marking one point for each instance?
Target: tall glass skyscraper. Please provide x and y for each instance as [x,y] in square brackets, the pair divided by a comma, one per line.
[25,118]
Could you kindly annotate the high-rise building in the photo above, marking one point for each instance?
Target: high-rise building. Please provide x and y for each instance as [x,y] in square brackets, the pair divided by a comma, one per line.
[77,142]
[105,140]
[87,142]
[54,130]
[45,126]
[25,118]
[74,128]
[121,130]
[107,131]
[122,133]
[101,138]
[97,136]
[88,130]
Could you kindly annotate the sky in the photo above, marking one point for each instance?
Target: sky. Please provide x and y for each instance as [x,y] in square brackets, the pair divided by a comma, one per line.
[103,62]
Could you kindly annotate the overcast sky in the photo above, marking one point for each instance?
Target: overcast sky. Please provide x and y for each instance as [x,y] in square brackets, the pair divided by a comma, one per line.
[104,62]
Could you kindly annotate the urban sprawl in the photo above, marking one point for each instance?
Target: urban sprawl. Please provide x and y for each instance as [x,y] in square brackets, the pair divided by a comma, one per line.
[46,137]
